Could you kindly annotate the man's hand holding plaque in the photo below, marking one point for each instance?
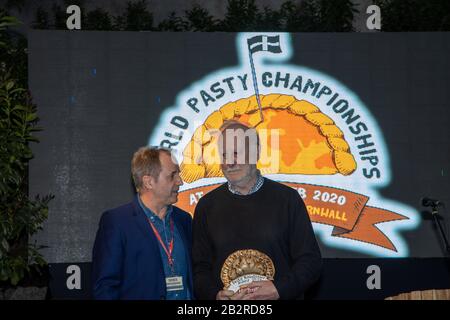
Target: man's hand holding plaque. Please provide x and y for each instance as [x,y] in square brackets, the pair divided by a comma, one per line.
[247,274]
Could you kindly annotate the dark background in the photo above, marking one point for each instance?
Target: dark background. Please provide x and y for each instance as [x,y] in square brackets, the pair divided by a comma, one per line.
[100,94]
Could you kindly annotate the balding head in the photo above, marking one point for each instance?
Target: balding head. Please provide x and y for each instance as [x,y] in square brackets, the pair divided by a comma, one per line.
[238,143]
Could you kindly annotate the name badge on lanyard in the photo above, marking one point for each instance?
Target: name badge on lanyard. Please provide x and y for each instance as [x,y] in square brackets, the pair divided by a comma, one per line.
[174,283]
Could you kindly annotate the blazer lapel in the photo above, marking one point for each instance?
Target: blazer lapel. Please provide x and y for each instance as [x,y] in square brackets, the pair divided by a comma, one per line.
[180,227]
[142,222]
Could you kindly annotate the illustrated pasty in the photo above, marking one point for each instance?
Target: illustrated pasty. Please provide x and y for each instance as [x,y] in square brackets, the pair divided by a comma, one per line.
[309,141]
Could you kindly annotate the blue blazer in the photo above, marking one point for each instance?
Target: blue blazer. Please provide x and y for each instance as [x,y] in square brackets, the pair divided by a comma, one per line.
[126,259]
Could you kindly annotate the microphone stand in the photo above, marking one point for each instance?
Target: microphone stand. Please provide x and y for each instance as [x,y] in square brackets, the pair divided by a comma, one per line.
[435,214]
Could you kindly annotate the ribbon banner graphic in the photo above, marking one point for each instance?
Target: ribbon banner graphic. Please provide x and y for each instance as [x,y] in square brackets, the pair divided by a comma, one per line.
[346,211]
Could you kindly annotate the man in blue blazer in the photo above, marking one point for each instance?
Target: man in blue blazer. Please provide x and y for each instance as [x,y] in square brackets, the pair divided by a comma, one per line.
[143,249]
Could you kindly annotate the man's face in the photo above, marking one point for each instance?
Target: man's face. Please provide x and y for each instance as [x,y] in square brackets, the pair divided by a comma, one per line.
[165,189]
[238,164]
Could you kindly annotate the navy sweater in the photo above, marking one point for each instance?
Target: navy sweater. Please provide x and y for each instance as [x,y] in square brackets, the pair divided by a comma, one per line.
[272,220]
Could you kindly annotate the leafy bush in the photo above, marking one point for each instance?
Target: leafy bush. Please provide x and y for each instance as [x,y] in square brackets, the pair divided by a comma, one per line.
[20,217]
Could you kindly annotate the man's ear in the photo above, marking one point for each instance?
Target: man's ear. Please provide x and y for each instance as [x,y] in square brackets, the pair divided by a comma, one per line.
[147,182]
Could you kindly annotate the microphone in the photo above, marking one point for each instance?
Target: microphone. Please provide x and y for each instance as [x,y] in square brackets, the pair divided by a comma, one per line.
[428,202]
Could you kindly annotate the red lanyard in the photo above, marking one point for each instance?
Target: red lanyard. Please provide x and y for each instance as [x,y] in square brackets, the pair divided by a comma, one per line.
[168,251]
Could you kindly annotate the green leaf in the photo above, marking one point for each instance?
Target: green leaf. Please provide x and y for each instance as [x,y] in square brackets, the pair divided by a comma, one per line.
[17,123]
[32,138]
[9,85]
[15,278]
[8,21]
[31,117]
[5,245]
[20,107]
[18,90]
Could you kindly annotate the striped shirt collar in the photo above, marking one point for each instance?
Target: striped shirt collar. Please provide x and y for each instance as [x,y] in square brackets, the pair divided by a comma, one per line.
[258,184]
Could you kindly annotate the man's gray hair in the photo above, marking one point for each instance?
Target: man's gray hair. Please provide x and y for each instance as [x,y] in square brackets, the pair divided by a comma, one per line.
[146,162]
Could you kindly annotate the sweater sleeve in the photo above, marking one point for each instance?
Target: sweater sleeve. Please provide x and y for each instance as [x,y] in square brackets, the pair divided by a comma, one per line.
[202,254]
[306,260]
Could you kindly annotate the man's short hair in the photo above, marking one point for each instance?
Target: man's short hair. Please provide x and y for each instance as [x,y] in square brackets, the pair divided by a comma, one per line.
[146,162]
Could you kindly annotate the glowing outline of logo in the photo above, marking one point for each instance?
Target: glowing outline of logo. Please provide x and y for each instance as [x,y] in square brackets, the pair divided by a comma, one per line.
[390,229]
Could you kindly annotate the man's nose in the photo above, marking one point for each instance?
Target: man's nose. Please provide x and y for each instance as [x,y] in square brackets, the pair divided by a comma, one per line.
[179,181]
[231,164]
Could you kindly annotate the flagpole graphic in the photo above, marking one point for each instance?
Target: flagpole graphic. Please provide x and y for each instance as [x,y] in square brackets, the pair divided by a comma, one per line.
[255,85]
[257,44]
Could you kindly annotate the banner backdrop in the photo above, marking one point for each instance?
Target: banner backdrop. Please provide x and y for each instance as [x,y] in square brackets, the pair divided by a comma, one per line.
[356,123]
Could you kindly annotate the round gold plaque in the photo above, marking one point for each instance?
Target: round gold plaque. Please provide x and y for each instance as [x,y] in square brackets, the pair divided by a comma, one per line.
[245,266]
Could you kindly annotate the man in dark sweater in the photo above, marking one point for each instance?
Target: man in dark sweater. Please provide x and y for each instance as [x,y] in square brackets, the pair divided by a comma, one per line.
[252,212]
